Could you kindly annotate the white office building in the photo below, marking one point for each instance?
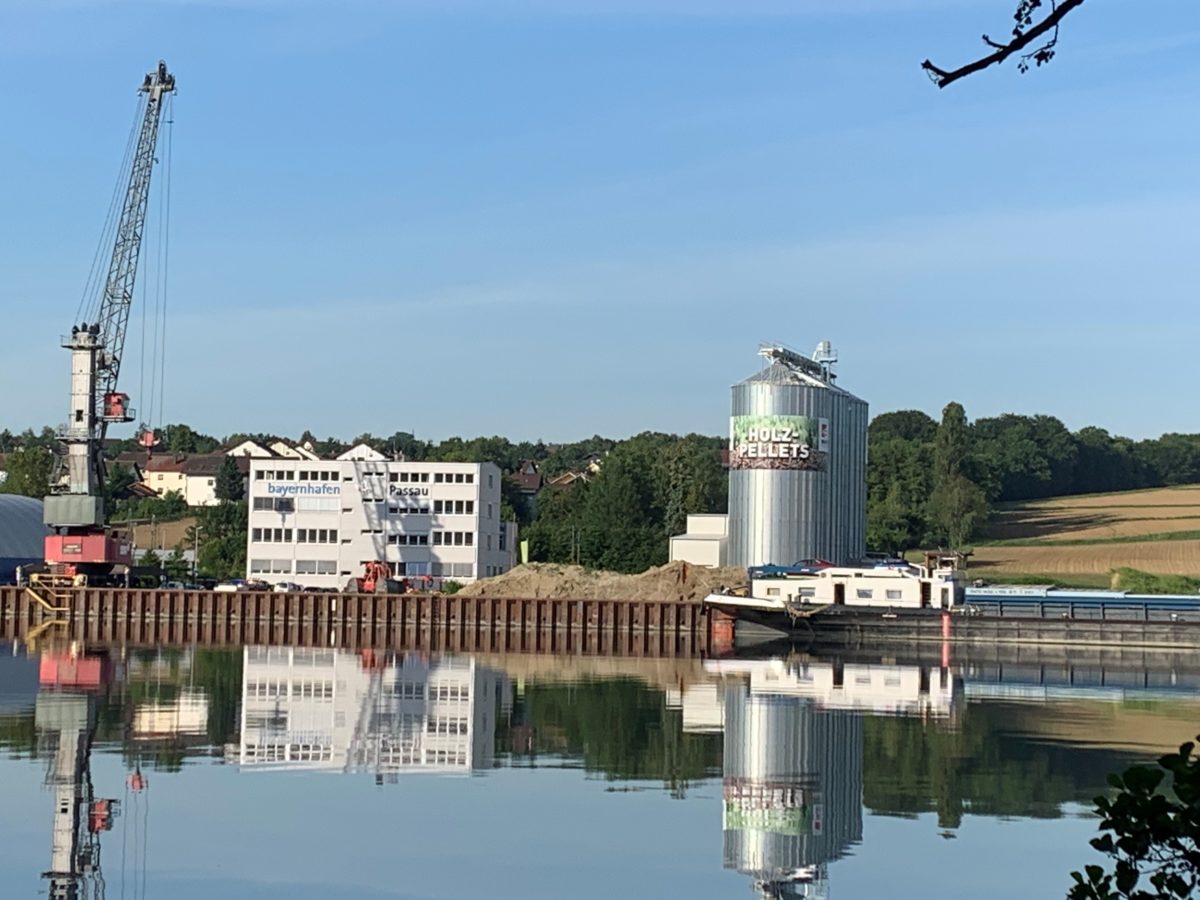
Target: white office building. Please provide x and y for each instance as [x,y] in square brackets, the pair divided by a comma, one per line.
[342,712]
[317,523]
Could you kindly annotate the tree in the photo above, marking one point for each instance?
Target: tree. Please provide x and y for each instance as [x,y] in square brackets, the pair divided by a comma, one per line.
[1149,833]
[907,424]
[220,533]
[29,469]
[957,508]
[176,565]
[1040,35]
[952,445]
[230,485]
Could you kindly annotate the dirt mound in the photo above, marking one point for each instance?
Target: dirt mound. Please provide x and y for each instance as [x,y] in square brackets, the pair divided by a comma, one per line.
[673,582]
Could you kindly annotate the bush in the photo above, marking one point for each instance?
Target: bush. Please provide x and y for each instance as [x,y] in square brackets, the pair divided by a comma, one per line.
[1138,582]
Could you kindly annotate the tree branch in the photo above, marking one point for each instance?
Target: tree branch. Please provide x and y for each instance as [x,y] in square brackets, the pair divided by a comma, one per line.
[1021,40]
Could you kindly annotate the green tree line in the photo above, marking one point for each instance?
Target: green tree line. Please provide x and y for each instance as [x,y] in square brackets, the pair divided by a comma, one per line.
[929,483]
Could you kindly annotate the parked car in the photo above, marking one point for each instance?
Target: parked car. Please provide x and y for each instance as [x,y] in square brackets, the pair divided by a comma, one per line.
[800,568]
[233,585]
[287,587]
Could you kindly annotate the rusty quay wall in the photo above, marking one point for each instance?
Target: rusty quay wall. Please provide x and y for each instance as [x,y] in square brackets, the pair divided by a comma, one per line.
[432,622]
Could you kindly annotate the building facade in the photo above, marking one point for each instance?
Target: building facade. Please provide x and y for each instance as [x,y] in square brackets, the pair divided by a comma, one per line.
[318,522]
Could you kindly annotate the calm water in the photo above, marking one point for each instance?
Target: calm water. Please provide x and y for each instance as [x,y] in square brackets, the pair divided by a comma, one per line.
[272,773]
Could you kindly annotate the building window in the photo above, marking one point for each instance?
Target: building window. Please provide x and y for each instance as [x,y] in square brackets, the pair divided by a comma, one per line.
[438,478]
[895,595]
[489,542]
[864,593]
[490,484]
[470,478]
[259,475]
[489,510]
[470,507]
[469,538]
[256,535]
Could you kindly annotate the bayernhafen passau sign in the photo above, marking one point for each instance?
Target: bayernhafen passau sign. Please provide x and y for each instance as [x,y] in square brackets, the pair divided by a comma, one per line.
[778,442]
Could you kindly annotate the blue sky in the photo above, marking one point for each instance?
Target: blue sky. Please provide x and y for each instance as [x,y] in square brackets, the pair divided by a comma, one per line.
[549,219]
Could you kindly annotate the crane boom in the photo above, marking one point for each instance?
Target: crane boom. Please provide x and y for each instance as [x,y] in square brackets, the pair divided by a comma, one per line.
[75,507]
[122,268]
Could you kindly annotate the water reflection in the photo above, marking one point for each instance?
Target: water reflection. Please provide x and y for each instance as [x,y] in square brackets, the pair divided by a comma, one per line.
[368,712]
[804,749]
[793,768]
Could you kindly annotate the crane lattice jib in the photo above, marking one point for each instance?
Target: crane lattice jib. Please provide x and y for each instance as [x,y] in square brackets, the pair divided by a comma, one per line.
[122,270]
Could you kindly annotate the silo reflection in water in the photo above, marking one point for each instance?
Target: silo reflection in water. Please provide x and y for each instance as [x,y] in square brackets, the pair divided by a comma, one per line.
[792,789]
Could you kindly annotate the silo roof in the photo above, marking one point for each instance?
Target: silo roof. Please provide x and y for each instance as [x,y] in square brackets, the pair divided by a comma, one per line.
[21,528]
[782,374]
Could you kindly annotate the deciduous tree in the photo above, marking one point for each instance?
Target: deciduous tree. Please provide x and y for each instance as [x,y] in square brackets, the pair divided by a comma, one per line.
[230,485]
[29,469]
[1151,831]
[1034,38]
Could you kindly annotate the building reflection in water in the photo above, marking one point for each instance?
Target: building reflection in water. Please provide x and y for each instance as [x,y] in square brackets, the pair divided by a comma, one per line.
[793,760]
[368,712]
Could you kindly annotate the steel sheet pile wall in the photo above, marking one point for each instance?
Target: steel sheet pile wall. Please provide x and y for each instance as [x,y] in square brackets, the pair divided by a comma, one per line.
[792,784]
[783,515]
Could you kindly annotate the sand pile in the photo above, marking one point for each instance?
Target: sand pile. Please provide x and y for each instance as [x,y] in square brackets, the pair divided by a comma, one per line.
[672,582]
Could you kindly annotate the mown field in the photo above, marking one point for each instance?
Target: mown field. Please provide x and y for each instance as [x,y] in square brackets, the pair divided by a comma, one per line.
[1082,539]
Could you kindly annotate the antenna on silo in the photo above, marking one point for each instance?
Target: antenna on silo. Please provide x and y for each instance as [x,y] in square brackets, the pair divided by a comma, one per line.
[825,356]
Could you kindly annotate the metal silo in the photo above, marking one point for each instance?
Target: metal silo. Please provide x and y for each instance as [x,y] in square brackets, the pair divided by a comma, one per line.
[797,464]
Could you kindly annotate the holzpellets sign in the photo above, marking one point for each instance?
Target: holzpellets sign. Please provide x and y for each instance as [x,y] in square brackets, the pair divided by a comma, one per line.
[778,442]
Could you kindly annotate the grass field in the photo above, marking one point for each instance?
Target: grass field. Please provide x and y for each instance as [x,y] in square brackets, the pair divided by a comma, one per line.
[1080,540]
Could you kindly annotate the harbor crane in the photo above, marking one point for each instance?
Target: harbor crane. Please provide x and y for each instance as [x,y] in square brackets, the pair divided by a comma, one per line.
[80,548]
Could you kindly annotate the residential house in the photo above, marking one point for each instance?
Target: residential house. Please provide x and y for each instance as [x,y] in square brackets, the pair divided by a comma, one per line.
[193,476]
[249,448]
[363,453]
[590,468]
[528,479]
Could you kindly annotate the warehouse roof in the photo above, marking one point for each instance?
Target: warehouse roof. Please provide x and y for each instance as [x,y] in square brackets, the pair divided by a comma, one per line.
[21,528]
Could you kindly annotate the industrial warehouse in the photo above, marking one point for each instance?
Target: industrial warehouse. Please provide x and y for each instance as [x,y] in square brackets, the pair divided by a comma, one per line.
[319,523]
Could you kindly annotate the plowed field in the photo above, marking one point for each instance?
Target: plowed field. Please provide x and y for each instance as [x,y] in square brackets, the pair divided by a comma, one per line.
[1040,535]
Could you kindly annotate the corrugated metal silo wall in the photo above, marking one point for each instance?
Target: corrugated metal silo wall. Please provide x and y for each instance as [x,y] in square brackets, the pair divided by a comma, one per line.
[781,516]
[787,741]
